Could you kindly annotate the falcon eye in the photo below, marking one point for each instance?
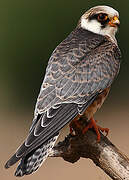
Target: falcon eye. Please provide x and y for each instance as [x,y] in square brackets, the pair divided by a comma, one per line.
[102,17]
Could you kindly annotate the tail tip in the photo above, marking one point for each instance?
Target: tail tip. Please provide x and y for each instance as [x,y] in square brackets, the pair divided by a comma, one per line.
[7,165]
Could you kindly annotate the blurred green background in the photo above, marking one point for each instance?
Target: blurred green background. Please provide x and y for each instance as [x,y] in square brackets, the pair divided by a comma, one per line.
[29,32]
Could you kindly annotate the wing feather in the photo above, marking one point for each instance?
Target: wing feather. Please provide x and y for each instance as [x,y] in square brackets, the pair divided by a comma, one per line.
[75,90]
[81,67]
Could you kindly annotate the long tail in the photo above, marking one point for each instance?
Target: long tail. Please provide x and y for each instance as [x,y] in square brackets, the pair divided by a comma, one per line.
[32,161]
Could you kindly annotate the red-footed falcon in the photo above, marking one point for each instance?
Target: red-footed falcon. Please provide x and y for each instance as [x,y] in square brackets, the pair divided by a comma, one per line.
[78,78]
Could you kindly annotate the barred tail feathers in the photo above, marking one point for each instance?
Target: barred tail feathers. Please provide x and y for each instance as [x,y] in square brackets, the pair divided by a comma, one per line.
[32,161]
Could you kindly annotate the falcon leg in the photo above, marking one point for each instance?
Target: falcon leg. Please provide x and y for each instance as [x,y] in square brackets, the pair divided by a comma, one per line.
[97,128]
[75,121]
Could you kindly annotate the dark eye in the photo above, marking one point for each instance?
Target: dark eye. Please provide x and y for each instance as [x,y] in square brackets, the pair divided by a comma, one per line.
[102,17]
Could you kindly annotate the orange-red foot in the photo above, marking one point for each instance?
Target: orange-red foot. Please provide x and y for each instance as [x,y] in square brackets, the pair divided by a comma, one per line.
[97,128]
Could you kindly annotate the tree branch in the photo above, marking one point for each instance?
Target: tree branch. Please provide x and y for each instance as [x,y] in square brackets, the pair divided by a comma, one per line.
[104,154]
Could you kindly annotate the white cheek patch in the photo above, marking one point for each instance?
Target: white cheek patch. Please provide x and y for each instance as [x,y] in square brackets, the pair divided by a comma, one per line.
[93,25]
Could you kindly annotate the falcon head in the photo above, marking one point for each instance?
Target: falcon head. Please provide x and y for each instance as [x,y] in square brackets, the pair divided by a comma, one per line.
[102,20]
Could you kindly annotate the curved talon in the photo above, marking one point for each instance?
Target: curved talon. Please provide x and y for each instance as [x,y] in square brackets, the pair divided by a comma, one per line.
[106,130]
[97,128]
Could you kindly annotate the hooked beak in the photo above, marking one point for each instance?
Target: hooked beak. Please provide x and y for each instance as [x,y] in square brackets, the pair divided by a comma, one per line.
[114,22]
